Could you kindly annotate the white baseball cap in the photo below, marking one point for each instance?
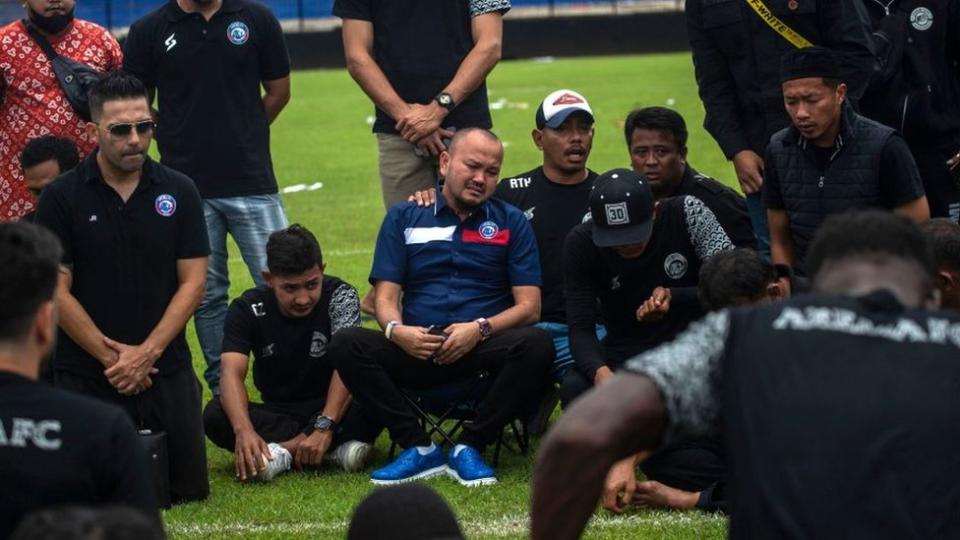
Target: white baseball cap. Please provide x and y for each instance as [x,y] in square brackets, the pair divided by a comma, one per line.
[559,105]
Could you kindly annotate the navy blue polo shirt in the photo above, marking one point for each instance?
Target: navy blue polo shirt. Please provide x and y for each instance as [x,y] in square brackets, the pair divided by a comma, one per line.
[453,271]
[124,255]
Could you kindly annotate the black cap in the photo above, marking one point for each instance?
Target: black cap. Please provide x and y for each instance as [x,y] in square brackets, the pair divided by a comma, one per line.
[809,62]
[621,206]
[404,512]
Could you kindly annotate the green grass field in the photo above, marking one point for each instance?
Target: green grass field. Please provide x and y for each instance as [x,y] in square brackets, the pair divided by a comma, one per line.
[323,137]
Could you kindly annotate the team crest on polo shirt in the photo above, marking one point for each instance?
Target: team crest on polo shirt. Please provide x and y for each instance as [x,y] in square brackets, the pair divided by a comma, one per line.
[487,233]
[238,33]
[488,230]
[675,265]
[165,205]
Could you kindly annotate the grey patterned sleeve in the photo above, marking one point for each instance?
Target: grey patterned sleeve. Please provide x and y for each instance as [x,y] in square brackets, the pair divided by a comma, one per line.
[687,372]
[706,234]
[344,308]
[482,7]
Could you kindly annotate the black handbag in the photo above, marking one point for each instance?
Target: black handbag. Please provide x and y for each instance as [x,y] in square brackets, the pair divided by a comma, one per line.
[75,78]
[155,443]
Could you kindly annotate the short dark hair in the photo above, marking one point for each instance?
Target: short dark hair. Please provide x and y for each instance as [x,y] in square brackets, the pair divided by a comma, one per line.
[657,119]
[113,86]
[734,275]
[944,238]
[869,234]
[48,147]
[292,251]
[28,275]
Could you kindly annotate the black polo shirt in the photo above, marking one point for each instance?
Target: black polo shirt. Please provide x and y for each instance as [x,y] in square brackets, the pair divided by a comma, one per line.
[419,45]
[207,74]
[124,255]
[553,210]
[59,448]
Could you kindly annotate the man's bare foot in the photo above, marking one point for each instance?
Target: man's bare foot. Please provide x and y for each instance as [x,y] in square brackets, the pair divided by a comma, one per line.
[657,495]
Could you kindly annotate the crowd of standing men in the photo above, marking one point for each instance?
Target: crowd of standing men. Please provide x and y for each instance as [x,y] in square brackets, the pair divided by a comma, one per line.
[549,282]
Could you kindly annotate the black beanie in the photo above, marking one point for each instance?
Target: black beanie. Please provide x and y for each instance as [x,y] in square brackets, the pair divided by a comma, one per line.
[809,62]
[404,512]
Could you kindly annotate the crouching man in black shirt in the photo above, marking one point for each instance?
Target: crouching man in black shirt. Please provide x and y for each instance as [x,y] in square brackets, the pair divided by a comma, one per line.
[640,261]
[838,408]
[306,414]
[56,448]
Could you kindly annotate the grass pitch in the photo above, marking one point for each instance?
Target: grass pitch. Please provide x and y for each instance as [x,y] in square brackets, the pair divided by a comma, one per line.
[323,138]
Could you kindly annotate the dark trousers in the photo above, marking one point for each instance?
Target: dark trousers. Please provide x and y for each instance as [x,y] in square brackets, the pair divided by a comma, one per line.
[279,422]
[172,405]
[695,464]
[373,368]
[938,181]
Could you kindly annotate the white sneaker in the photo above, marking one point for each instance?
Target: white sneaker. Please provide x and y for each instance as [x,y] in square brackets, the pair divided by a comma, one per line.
[279,463]
[351,456]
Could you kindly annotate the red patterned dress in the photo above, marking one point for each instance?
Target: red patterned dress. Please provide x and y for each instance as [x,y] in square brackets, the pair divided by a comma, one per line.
[33,104]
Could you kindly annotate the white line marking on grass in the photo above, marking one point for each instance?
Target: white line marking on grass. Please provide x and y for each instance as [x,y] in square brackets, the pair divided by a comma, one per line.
[297,188]
[508,525]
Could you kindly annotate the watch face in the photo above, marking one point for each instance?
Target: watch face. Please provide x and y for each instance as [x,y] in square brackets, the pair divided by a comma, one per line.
[323,423]
[444,99]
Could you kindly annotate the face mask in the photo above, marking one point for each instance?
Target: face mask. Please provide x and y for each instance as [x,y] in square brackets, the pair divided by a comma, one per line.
[51,25]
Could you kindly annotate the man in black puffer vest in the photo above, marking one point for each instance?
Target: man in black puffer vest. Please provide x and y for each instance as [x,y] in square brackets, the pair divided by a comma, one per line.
[917,89]
[831,159]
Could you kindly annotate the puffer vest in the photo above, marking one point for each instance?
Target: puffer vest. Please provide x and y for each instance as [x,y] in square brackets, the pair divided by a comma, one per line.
[851,178]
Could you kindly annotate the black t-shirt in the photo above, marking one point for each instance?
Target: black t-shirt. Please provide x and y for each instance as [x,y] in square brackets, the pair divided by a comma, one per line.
[839,414]
[553,210]
[58,448]
[290,362]
[419,45]
[208,74]
[124,255]
[685,233]
[729,206]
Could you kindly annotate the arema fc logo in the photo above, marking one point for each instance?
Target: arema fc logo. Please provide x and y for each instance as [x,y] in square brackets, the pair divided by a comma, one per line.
[238,33]
[488,230]
[165,205]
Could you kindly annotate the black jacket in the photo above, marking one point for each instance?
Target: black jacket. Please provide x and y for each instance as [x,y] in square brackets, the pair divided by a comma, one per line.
[737,60]
[917,88]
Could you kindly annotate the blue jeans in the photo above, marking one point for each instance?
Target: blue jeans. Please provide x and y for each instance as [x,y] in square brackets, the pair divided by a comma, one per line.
[561,342]
[249,220]
[758,218]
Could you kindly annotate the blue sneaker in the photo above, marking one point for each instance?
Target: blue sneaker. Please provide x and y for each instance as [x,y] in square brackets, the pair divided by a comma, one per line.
[469,469]
[410,466]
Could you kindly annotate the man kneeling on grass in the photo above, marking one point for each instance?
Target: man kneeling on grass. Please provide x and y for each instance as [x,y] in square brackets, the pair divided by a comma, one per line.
[306,409]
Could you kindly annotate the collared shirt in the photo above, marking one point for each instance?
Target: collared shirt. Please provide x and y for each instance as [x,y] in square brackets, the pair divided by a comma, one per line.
[33,104]
[208,74]
[454,271]
[124,254]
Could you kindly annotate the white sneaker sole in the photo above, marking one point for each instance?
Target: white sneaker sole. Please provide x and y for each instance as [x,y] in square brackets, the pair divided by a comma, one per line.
[357,459]
[489,481]
[429,473]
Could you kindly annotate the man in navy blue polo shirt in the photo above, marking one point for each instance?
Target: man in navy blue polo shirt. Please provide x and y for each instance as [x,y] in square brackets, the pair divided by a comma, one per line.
[468,269]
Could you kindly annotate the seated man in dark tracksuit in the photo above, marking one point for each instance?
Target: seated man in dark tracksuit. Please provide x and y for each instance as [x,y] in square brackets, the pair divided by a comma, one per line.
[306,416]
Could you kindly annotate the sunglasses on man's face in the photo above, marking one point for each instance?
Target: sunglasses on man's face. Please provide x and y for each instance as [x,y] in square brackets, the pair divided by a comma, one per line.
[123,130]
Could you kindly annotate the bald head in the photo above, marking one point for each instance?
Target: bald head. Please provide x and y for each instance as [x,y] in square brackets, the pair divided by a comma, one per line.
[470,168]
[473,134]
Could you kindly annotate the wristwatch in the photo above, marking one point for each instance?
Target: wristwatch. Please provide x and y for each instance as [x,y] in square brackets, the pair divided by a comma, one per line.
[485,329]
[324,423]
[445,100]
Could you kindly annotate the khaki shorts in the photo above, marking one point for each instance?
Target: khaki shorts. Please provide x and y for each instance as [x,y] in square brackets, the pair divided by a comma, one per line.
[401,170]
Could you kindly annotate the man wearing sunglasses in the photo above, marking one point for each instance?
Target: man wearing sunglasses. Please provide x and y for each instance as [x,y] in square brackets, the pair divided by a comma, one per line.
[133,268]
